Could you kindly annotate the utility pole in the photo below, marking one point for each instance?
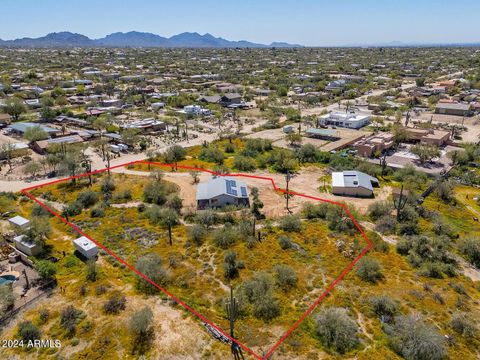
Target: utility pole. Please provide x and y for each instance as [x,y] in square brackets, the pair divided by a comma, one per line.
[288,177]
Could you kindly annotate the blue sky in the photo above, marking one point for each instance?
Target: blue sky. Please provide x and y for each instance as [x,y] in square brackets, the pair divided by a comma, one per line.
[308,22]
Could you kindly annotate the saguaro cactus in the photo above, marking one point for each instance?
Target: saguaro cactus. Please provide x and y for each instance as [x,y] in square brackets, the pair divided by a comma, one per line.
[231,308]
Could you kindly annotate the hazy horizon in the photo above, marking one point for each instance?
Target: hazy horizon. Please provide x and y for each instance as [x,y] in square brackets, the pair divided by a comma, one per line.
[304,22]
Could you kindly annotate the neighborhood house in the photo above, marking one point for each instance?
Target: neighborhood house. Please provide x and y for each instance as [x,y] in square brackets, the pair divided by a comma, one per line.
[221,191]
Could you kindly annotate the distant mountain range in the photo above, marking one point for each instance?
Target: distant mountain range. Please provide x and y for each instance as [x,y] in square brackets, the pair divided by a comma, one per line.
[136,39]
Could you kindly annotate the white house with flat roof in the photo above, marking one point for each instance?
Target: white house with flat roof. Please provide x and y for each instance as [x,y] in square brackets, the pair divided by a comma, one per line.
[353,183]
[346,120]
[29,248]
[19,222]
[86,247]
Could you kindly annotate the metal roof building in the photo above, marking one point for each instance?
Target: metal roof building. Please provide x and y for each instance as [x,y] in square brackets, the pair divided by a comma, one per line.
[353,183]
[21,127]
[221,191]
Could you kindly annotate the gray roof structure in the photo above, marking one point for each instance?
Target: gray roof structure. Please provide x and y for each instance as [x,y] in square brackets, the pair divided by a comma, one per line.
[353,179]
[453,106]
[23,126]
[222,185]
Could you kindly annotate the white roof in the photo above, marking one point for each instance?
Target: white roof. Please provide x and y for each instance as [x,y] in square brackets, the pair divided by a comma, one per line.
[21,239]
[353,178]
[18,220]
[345,117]
[85,243]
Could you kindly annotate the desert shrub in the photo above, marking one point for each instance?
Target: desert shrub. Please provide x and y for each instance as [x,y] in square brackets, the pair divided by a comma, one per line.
[7,298]
[258,292]
[413,339]
[28,332]
[444,191]
[336,329]
[155,192]
[245,227]
[123,195]
[174,202]
[92,272]
[206,218]
[290,223]
[141,328]
[212,154]
[282,160]
[470,247]
[379,244]
[384,307]
[386,224]
[115,304]
[285,277]
[432,270]
[87,198]
[98,210]
[46,269]
[266,307]
[43,315]
[368,269]
[225,236]
[72,209]
[411,176]
[430,253]
[315,211]
[39,210]
[253,147]
[230,266]
[68,319]
[151,266]
[244,163]
[441,228]
[463,324]
[229,148]
[379,209]
[338,219]
[284,242]
[408,228]
[107,185]
[196,234]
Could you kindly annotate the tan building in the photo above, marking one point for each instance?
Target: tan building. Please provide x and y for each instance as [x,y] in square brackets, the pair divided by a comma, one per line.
[435,137]
[372,144]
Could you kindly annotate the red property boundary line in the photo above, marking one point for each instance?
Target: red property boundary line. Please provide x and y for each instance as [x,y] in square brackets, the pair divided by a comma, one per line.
[180,302]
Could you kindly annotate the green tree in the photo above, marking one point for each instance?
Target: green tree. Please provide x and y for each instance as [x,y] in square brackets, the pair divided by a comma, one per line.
[175,154]
[14,107]
[32,168]
[38,231]
[46,269]
[425,152]
[35,133]
[47,113]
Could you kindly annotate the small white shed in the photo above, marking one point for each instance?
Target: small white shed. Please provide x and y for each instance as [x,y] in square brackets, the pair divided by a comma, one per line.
[86,247]
[19,222]
[27,247]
